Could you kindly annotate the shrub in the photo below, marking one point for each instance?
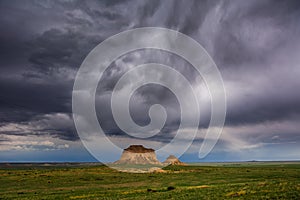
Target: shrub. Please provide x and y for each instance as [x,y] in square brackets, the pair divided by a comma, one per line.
[171,188]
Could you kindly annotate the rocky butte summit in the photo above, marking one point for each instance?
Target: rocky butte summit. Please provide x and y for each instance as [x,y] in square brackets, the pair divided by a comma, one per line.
[138,155]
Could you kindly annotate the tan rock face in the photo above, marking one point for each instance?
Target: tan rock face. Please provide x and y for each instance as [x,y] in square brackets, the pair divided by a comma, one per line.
[137,154]
[172,160]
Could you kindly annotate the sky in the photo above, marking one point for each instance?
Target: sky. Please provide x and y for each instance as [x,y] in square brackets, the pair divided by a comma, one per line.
[255,45]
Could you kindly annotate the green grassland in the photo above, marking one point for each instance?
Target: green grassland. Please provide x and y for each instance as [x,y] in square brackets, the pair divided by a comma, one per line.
[203,181]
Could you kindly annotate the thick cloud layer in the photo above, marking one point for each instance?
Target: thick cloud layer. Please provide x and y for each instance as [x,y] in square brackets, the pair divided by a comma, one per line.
[255,44]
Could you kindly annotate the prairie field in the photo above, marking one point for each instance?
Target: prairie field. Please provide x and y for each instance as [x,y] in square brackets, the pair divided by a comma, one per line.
[248,180]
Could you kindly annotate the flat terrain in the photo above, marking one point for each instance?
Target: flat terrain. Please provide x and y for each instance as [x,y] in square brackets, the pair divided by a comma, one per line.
[280,180]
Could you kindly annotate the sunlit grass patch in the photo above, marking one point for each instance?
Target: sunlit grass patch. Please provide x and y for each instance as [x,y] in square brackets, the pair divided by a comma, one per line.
[236,194]
[198,187]
[82,196]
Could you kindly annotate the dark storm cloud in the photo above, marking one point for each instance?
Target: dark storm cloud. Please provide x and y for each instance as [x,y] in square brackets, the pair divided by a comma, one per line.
[254,31]
[56,49]
[58,125]
[43,43]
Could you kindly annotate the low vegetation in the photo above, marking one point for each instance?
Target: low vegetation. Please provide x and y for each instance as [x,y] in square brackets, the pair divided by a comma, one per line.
[218,181]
